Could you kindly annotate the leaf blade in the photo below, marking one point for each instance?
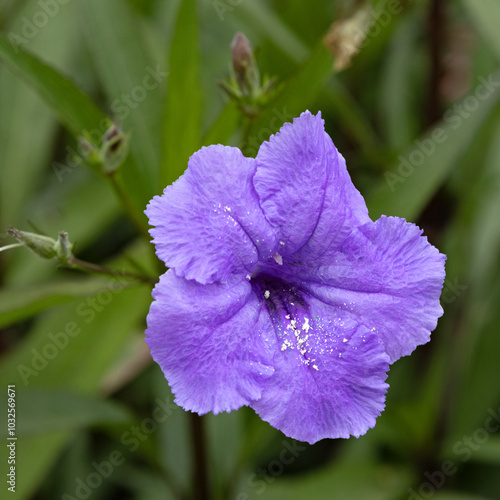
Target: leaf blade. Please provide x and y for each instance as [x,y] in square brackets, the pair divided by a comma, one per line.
[297,95]
[183,102]
[406,188]
[74,108]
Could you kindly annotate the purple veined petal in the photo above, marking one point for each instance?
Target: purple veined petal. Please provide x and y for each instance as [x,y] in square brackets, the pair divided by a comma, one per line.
[213,342]
[304,188]
[330,371]
[343,210]
[209,224]
[386,274]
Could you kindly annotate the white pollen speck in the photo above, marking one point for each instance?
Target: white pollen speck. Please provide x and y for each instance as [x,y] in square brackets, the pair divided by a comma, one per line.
[227,209]
[287,316]
[306,325]
[315,367]
[249,277]
[344,340]
[282,243]
[278,258]
[267,294]
[292,304]
[340,354]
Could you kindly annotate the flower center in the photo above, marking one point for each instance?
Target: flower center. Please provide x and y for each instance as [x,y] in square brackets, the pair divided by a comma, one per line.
[280,296]
[289,313]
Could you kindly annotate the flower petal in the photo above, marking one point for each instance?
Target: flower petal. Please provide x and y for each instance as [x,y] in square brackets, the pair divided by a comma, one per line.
[304,187]
[213,342]
[209,224]
[389,276]
[330,376]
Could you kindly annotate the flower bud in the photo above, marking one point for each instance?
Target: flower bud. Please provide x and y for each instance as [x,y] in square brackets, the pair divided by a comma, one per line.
[110,154]
[114,148]
[243,61]
[43,246]
[244,85]
[63,248]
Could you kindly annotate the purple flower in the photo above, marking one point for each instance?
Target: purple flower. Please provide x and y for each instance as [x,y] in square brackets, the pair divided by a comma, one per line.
[283,294]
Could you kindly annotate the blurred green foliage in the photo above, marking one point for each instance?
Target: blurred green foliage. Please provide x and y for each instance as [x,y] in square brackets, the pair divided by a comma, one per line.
[417,116]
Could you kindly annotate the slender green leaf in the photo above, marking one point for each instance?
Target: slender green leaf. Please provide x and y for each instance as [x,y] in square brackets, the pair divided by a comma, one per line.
[146,484]
[23,303]
[489,452]
[265,20]
[71,348]
[26,119]
[224,126]
[183,104]
[73,107]
[486,15]
[486,232]
[35,457]
[174,438]
[299,93]
[359,478]
[225,437]
[133,83]
[349,115]
[42,411]
[421,169]
[76,461]
[398,110]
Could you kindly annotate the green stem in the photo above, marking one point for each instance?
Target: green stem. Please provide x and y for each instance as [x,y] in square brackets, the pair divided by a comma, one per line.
[247,128]
[13,245]
[82,265]
[136,218]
